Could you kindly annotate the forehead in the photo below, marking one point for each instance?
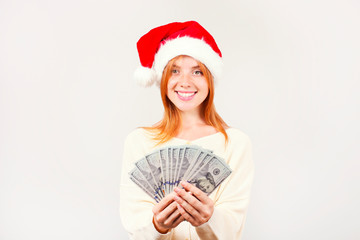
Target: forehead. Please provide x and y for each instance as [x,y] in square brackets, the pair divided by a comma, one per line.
[185,61]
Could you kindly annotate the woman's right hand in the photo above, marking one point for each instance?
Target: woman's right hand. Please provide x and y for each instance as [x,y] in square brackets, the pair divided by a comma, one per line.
[166,214]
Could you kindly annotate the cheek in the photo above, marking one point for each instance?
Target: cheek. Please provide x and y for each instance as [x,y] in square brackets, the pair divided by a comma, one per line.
[171,84]
[204,85]
[170,87]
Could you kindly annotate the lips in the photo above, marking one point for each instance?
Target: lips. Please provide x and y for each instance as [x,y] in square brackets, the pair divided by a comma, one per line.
[185,96]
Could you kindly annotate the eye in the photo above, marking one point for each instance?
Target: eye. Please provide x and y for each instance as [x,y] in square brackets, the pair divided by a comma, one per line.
[198,73]
[174,71]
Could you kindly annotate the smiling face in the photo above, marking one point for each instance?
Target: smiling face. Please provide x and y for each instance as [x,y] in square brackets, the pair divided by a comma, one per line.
[187,87]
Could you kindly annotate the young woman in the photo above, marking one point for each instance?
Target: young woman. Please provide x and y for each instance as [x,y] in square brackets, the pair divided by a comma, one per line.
[184,60]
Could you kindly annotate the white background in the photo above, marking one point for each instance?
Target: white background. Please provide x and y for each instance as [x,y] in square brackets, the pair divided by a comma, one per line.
[67,101]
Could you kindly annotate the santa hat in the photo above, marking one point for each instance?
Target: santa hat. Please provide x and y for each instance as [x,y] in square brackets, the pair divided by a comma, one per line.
[161,44]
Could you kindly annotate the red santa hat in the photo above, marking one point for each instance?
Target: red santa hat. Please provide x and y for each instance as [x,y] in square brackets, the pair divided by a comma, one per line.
[157,47]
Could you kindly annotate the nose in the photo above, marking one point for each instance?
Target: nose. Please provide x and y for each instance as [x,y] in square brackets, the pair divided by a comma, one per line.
[185,81]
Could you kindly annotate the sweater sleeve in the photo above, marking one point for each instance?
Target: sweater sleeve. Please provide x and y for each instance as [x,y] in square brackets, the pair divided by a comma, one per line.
[135,205]
[231,202]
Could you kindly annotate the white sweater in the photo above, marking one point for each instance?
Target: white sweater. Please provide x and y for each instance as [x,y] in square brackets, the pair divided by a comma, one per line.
[231,198]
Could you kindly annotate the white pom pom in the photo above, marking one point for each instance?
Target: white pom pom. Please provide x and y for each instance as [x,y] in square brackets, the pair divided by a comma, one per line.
[144,76]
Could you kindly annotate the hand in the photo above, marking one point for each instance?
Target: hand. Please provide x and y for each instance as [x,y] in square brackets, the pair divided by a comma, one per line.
[166,214]
[193,204]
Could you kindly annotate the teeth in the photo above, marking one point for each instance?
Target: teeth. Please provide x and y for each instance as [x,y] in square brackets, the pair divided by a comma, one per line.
[186,94]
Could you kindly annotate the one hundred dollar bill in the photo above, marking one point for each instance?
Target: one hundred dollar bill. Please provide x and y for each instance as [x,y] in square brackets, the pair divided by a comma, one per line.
[160,171]
[145,170]
[138,179]
[211,175]
[154,163]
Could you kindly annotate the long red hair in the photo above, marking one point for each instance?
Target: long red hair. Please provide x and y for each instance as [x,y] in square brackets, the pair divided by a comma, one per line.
[169,126]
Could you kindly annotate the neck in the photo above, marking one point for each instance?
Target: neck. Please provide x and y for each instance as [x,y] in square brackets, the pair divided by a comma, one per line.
[191,119]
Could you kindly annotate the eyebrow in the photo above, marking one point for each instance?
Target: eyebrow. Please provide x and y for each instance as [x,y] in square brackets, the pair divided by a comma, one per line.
[176,66]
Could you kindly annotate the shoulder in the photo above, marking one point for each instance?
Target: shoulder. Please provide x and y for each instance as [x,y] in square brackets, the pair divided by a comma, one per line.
[237,136]
[140,139]
[138,135]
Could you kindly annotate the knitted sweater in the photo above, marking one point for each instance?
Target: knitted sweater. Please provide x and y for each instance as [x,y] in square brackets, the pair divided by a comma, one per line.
[231,198]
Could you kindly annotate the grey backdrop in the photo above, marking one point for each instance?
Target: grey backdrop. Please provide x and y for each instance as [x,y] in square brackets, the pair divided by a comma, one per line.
[67,101]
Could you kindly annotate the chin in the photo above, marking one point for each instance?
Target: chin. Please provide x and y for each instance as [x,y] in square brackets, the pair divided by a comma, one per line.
[187,109]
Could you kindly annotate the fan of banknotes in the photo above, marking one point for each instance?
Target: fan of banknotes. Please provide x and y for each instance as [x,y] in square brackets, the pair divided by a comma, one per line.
[160,171]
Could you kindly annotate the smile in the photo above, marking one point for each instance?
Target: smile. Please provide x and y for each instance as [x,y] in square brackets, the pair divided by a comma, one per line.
[186,96]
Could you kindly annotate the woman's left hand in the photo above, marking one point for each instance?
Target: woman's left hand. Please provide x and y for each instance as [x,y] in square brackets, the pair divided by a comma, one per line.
[193,204]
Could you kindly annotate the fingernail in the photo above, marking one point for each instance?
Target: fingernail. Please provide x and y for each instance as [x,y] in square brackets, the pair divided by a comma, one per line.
[176,190]
[183,183]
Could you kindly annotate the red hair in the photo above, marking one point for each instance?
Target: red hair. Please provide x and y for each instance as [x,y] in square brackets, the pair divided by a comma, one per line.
[169,126]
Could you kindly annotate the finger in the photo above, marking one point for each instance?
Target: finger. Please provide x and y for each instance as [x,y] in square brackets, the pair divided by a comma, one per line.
[162,217]
[188,197]
[168,211]
[177,221]
[185,215]
[173,216]
[195,191]
[187,207]
[160,206]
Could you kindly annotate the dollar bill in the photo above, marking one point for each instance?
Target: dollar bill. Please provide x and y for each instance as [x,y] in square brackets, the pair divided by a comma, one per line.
[154,163]
[202,160]
[138,179]
[196,162]
[163,160]
[160,171]
[145,170]
[179,165]
[211,175]
[191,153]
[169,162]
[175,161]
